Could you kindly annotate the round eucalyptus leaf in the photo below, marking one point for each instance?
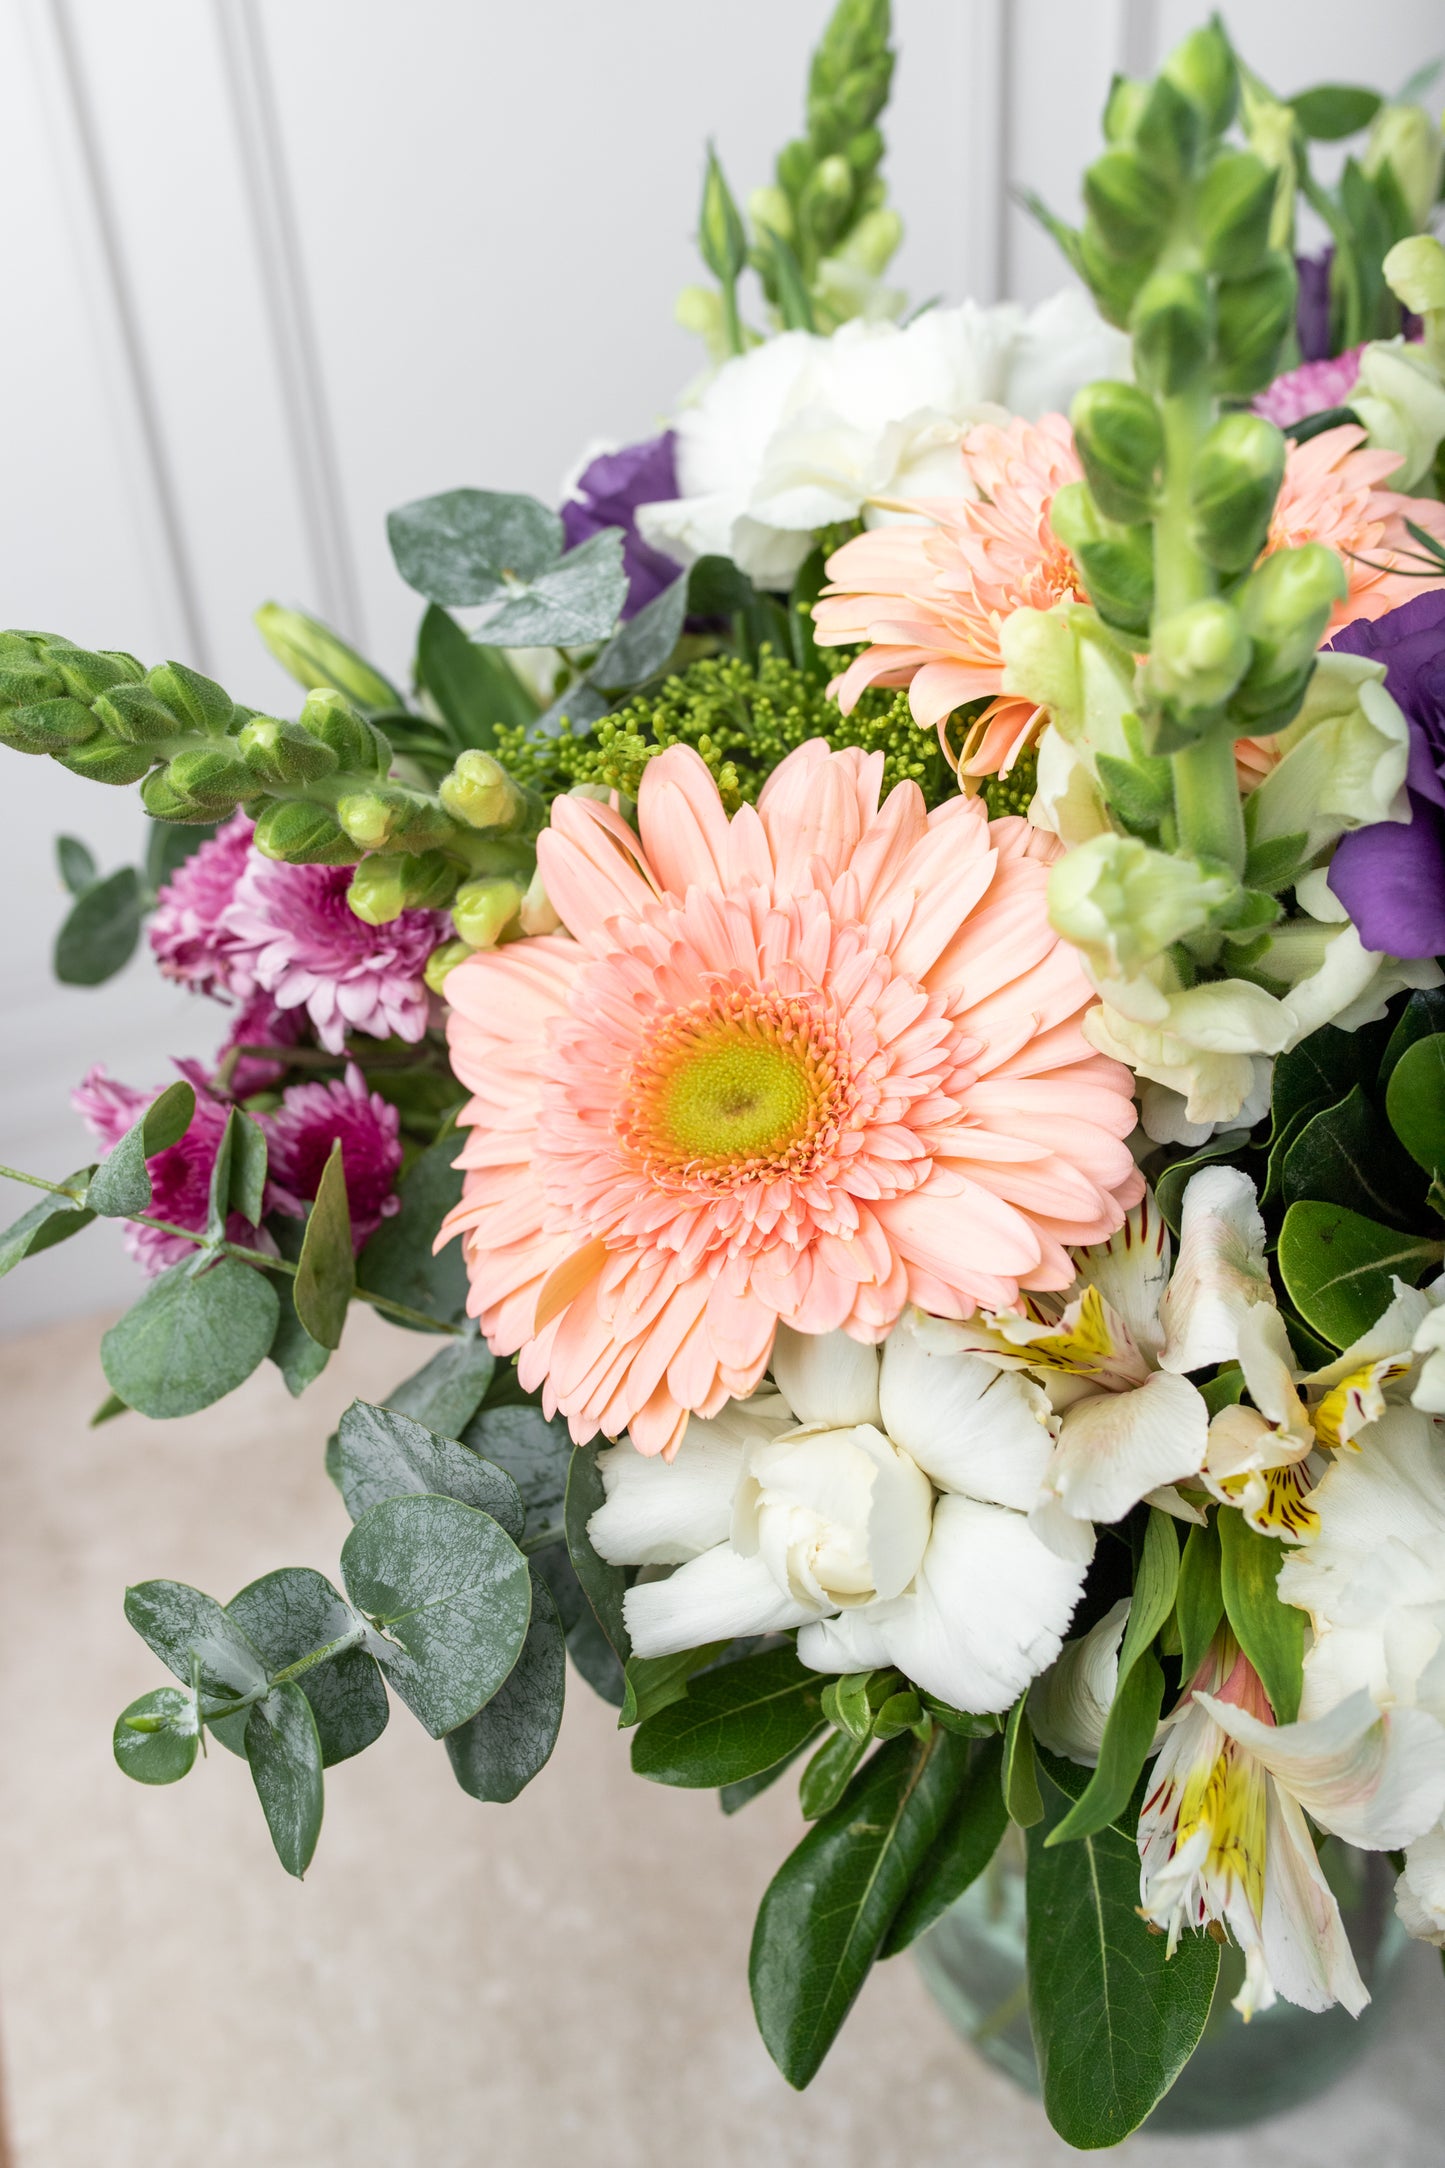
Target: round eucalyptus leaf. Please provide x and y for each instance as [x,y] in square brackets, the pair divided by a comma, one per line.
[287,1614]
[157,1738]
[285,1756]
[499,1751]
[191,1340]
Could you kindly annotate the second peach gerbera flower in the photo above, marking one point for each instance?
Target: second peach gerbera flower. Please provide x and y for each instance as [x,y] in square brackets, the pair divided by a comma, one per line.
[808,1065]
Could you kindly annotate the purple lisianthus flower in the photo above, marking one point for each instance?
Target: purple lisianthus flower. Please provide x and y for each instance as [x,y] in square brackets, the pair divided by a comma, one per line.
[300,1134]
[186,933]
[1313,388]
[607,493]
[1312,311]
[180,1176]
[292,935]
[1390,878]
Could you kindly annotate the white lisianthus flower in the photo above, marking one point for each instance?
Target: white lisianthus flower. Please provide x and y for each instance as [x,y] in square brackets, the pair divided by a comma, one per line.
[879,1501]
[804,430]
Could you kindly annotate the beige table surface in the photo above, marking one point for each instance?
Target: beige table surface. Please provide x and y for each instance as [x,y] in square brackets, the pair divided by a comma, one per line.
[560,1981]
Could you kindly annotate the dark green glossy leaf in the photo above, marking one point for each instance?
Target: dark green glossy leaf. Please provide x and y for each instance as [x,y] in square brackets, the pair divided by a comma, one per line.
[1422,1015]
[499,1751]
[1344,1155]
[656,1682]
[829,1773]
[451,1597]
[285,1756]
[193,1635]
[326,1273]
[591,1652]
[826,1911]
[191,1339]
[1200,1602]
[77,866]
[716,588]
[732,1798]
[603,1585]
[157,1738]
[398,1262]
[99,935]
[1333,111]
[475,688]
[465,545]
[1319,1071]
[1415,1101]
[386,1455]
[1114,2019]
[446,1392]
[121,1184]
[285,1616]
[1339,1266]
[959,1853]
[735,1722]
[1018,1775]
[54,1219]
[169,844]
[1270,1633]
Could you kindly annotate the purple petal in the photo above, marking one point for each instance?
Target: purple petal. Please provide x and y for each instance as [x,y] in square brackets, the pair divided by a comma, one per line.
[1391,880]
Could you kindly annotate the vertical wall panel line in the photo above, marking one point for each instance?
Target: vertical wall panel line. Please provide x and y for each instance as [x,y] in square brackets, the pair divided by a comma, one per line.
[1136,36]
[987,212]
[104,278]
[272,211]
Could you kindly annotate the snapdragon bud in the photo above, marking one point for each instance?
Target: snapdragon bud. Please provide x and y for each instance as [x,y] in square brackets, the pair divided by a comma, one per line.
[25,676]
[444,960]
[1113,284]
[873,242]
[1120,439]
[1284,607]
[383,887]
[1129,208]
[1415,274]
[827,197]
[1125,103]
[538,913]
[1256,318]
[1404,138]
[302,835]
[389,816]
[1173,324]
[1116,563]
[194,700]
[1205,69]
[283,753]
[1169,135]
[133,713]
[1199,655]
[315,656]
[107,760]
[360,748]
[1123,904]
[1233,484]
[483,909]
[85,673]
[48,726]
[209,775]
[480,793]
[164,802]
[721,238]
[1233,209]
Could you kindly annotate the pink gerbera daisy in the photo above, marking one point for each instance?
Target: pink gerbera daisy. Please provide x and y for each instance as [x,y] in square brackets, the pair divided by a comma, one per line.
[808,1065]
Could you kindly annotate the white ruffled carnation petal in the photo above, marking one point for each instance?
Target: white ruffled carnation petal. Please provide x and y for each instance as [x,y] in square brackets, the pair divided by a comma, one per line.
[657,1512]
[971,1427]
[827,1377]
[715,1597]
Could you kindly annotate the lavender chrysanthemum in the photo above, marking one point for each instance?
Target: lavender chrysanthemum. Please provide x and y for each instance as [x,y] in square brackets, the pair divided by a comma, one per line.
[186,933]
[180,1176]
[293,936]
[300,1134]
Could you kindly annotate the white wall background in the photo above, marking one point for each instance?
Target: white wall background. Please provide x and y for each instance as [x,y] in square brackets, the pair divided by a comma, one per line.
[274,266]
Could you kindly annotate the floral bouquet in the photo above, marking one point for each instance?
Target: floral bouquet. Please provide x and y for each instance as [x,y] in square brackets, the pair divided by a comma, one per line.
[877,1003]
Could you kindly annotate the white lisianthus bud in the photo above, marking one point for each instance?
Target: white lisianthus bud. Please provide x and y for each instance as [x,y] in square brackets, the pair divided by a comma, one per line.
[1065,660]
[1343,764]
[1404,138]
[1400,399]
[839,1517]
[1124,904]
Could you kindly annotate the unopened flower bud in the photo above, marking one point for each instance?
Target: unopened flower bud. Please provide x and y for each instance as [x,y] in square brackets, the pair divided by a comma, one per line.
[1284,607]
[1169,135]
[1204,68]
[444,960]
[1404,138]
[827,199]
[107,760]
[1113,284]
[284,753]
[771,212]
[1198,657]
[721,239]
[538,913]
[382,887]
[302,835]
[480,793]
[1125,103]
[1123,904]
[24,676]
[1256,317]
[1116,563]
[47,726]
[210,775]
[1120,439]
[1233,484]
[1172,321]
[164,802]
[873,242]
[133,712]
[85,673]
[482,910]
[316,656]
[1233,209]
[1129,207]
[196,702]
[1415,274]
[360,748]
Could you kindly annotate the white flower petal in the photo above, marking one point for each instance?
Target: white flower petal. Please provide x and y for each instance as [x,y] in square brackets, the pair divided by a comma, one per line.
[1375,1778]
[1221,1272]
[1267,1359]
[1131,1272]
[1068,1705]
[827,1377]
[1116,1448]
[970,1426]
[1420,1891]
[713,1598]
[850,1642]
[988,1611]
[1304,1946]
[658,1512]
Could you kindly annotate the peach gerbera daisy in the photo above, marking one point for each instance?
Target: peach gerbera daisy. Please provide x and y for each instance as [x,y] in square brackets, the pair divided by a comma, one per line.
[931,599]
[1331,494]
[810,1064]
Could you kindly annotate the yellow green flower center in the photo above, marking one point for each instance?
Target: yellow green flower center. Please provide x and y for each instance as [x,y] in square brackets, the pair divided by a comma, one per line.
[736,1098]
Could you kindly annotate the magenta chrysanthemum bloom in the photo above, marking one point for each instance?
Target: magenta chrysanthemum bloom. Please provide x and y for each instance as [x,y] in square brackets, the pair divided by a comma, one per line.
[258,1023]
[180,1176]
[292,934]
[1313,388]
[186,933]
[301,1133]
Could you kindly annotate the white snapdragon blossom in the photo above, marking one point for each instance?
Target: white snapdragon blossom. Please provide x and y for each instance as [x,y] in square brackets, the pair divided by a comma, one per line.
[803,430]
[879,1505]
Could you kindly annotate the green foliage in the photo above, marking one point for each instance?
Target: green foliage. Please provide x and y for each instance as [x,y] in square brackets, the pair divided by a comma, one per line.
[470,546]
[1019,1774]
[1339,1267]
[286,1615]
[474,688]
[446,1392]
[656,1682]
[1114,2018]
[499,1750]
[398,1260]
[735,1722]
[1199,1605]
[970,1836]
[99,935]
[326,1271]
[1415,1101]
[382,1454]
[1271,1633]
[284,1752]
[156,1740]
[192,1338]
[602,1584]
[55,1219]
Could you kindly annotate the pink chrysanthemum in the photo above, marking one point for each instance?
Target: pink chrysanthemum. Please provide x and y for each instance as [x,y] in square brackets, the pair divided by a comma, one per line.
[293,936]
[1313,388]
[186,933]
[180,1176]
[258,1023]
[931,599]
[300,1135]
[808,1065]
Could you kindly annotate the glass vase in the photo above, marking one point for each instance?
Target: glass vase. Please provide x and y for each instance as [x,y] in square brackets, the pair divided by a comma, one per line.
[974,1966]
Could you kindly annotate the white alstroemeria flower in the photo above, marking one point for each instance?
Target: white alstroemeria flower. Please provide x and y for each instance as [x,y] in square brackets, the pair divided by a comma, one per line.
[805,430]
[1112,1355]
[1372,1578]
[1069,1703]
[880,1505]
[1266,1459]
[1223,1836]
[1428,1347]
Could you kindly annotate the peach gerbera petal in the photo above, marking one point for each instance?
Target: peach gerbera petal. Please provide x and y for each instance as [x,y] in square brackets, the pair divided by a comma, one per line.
[762,1078]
